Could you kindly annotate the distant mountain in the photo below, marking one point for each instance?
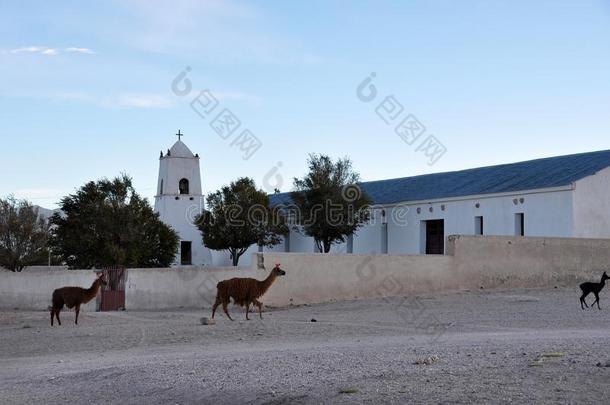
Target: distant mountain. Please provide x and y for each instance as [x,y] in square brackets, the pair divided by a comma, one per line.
[45,212]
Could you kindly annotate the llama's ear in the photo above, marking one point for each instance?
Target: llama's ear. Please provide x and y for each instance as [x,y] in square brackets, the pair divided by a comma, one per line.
[277,265]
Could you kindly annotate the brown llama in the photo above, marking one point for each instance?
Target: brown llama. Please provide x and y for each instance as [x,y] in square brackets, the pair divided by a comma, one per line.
[244,291]
[74,297]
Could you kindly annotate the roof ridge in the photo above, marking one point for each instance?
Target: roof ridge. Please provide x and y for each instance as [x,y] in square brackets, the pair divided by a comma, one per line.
[547,172]
[487,167]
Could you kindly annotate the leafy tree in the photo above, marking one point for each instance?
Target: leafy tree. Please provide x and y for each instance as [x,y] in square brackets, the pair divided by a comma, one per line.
[23,235]
[238,216]
[329,204]
[107,223]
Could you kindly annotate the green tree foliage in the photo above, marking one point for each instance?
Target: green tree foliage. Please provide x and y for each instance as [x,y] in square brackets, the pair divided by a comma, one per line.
[238,216]
[107,223]
[329,204]
[23,235]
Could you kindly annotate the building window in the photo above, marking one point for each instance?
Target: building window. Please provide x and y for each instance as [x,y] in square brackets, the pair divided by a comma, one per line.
[349,245]
[186,253]
[183,186]
[161,188]
[478,225]
[520,224]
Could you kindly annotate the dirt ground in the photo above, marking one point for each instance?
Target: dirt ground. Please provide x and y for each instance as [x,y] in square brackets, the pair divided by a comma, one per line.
[492,347]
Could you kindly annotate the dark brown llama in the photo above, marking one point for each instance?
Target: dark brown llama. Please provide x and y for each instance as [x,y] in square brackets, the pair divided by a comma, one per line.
[594,288]
[74,297]
[244,291]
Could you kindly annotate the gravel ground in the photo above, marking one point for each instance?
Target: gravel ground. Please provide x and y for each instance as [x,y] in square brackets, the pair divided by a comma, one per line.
[496,346]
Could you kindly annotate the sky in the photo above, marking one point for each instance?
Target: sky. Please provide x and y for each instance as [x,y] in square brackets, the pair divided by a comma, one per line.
[93,89]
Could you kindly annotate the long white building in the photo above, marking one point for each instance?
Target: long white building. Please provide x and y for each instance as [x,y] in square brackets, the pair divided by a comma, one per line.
[565,196]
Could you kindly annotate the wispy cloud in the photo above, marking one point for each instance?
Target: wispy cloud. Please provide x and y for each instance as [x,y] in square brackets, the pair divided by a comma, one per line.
[48,51]
[79,50]
[144,101]
[35,49]
[124,100]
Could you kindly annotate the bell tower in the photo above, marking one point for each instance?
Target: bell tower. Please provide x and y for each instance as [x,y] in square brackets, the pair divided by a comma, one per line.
[179,200]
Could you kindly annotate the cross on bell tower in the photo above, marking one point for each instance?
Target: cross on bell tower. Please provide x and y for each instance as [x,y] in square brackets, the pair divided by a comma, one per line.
[179,135]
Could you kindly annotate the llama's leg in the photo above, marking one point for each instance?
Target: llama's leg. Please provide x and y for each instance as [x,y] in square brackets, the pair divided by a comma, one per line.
[597,300]
[77,310]
[52,315]
[216,304]
[57,315]
[584,295]
[260,308]
[247,310]
[224,308]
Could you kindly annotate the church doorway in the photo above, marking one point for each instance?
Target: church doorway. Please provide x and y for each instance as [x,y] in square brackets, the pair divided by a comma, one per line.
[435,237]
[186,253]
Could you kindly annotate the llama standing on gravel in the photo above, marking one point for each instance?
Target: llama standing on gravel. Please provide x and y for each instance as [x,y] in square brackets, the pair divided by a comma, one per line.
[74,297]
[594,288]
[244,291]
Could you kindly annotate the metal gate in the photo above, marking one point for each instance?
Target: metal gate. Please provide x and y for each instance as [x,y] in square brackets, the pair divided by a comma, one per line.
[113,293]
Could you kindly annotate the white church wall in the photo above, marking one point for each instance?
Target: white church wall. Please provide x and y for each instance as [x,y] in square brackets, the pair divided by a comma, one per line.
[300,243]
[220,258]
[180,215]
[592,206]
[546,214]
[367,239]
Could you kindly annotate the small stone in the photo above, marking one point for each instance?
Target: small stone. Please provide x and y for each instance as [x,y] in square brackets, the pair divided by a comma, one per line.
[599,364]
[60,361]
[207,321]
[314,320]
[427,360]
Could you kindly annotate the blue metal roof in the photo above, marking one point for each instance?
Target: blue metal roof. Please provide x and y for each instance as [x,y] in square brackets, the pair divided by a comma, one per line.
[530,175]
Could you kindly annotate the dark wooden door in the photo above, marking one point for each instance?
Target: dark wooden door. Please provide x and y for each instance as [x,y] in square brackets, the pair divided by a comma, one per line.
[435,237]
[113,293]
[186,253]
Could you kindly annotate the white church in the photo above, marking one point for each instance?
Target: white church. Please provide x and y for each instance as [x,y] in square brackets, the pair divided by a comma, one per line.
[564,196]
